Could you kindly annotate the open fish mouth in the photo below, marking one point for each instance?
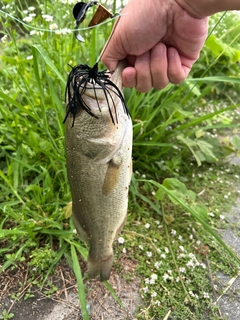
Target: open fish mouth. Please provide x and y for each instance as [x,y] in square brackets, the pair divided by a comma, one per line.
[100,85]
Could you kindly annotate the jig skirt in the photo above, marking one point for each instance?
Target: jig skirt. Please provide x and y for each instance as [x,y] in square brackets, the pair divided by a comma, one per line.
[78,82]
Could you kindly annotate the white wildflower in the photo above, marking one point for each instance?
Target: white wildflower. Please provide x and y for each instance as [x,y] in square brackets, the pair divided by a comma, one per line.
[47,17]
[29,57]
[157,264]
[180,238]
[140,247]
[149,254]
[206,295]
[173,232]
[166,249]
[226,196]
[211,214]
[154,294]
[31,8]
[163,256]
[27,19]
[124,250]
[153,193]
[165,276]
[221,217]
[4,39]
[121,240]
[154,276]
[25,11]
[145,290]
[147,225]
[157,302]
[147,280]
[182,248]
[182,270]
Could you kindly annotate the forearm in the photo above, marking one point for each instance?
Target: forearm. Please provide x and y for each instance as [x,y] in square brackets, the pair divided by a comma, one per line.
[204,8]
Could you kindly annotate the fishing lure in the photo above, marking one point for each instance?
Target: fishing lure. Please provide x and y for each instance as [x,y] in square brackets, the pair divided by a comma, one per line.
[77,84]
[82,75]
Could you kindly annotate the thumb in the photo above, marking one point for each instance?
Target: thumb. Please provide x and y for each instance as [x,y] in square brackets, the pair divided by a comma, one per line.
[113,50]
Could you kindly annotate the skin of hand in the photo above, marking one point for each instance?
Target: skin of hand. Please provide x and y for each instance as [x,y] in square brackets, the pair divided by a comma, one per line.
[160,42]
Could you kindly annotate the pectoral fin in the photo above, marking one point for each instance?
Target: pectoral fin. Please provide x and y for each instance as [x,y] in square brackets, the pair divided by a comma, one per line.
[112,175]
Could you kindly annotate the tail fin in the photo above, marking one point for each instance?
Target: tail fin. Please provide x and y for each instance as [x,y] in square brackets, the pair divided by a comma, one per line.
[102,267]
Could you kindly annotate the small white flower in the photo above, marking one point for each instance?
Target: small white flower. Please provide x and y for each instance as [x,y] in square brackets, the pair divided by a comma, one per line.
[29,57]
[147,280]
[4,39]
[47,17]
[203,265]
[180,238]
[181,255]
[121,240]
[25,11]
[163,256]
[28,19]
[147,225]
[173,232]
[166,250]
[31,8]
[149,254]
[53,26]
[143,176]
[226,196]
[157,222]
[206,295]
[182,248]
[221,217]
[154,294]
[165,276]
[154,276]
[157,264]
[236,176]
[140,247]
[74,231]
[177,279]
[145,290]
[191,237]
[211,214]
[153,193]
[182,270]
[124,250]
[198,242]
[157,302]
[32,15]
[190,264]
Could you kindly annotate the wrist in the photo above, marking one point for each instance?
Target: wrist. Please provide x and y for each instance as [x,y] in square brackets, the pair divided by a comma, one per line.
[204,8]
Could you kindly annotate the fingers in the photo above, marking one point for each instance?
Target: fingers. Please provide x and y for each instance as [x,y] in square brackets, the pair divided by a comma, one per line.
[159,66]
[156,68]
[178,67]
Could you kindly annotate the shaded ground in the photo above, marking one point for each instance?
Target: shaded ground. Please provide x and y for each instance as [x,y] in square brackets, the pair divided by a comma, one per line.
[64,304]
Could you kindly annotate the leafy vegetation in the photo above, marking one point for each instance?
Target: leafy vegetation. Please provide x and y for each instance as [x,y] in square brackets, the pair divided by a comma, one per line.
[179,141]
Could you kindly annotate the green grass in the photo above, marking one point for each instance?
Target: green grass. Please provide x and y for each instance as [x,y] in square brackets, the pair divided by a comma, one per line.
[173,128]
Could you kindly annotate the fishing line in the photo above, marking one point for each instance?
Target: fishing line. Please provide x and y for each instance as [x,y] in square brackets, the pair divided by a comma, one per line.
[3,13]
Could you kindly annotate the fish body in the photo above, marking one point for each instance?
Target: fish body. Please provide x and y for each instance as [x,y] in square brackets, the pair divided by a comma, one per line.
[98,155]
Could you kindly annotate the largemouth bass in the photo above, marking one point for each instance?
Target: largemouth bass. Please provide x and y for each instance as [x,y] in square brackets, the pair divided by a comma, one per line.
[99,167]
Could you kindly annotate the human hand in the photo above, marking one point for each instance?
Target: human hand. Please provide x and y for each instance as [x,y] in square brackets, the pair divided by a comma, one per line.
[160,42]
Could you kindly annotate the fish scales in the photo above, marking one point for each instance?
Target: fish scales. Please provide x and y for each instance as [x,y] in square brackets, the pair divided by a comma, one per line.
[98,155]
